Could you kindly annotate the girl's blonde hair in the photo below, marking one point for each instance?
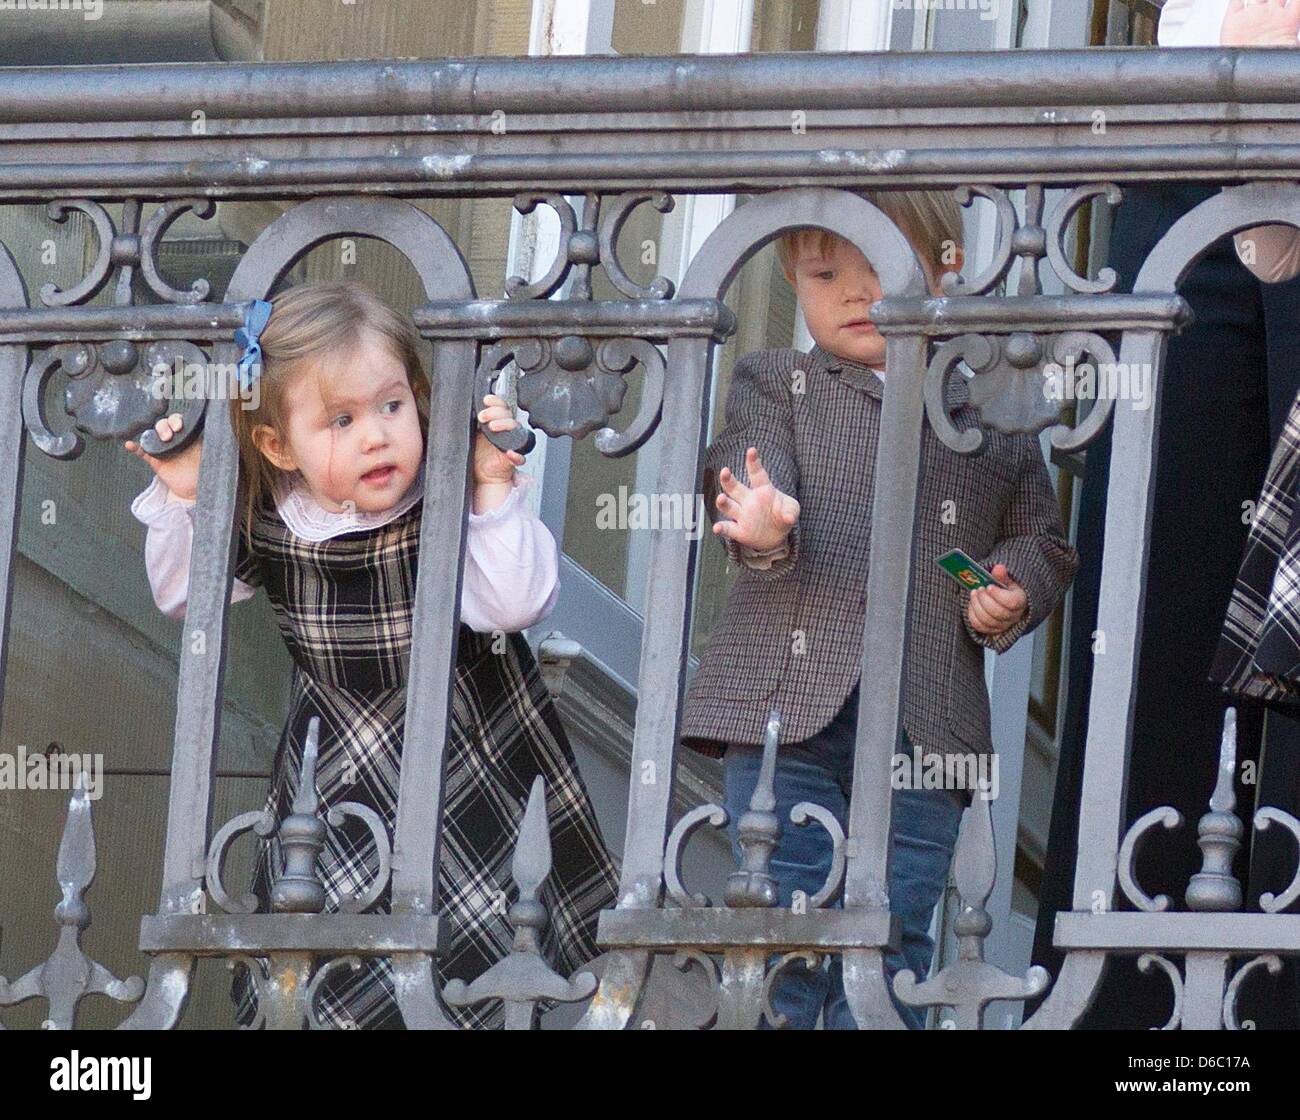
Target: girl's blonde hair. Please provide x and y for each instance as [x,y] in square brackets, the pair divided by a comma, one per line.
[931,221]
[307,324]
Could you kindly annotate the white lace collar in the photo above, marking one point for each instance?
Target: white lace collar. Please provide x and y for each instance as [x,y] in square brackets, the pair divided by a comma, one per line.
[311,521]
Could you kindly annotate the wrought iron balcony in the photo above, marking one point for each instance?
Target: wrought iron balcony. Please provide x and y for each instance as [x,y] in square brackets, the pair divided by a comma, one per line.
[348,145]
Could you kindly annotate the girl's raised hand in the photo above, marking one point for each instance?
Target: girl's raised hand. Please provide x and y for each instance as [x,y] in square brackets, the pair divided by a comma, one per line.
[758,516]
[1261,23]
[491,464]
[179,472]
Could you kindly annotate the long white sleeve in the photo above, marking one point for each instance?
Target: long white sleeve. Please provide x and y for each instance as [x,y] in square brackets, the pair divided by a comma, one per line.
[1191,23]
[1275,254]
[511,566]
[511,560]
[167,549]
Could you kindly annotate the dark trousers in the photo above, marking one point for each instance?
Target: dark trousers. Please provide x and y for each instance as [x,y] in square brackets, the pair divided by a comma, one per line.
[1229,383]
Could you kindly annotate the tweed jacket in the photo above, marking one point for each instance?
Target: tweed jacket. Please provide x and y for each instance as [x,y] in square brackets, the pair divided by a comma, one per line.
[791,634]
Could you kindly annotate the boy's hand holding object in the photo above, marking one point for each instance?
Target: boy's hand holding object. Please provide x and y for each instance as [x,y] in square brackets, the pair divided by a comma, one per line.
[993,609]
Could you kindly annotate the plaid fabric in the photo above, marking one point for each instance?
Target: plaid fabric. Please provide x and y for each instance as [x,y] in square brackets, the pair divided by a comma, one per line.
[791,635]
[345,609]
[1259,647]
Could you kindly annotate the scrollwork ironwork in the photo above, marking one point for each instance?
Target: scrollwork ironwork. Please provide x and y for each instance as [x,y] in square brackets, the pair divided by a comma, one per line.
[810,960]
[1145,963]
[126,251]
[1026,375]
[296,886]
[1032,239]
[1270,961]
[1127,862]
[571,382]
[807,811]
[715,816]
[115,391]
[311,994]
[1269,902]
[259,980]
[682,961]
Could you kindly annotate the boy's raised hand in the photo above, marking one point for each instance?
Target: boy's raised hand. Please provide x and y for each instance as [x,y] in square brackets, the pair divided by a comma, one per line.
[758,516]
[992,610]
[178,472]
[1261,23]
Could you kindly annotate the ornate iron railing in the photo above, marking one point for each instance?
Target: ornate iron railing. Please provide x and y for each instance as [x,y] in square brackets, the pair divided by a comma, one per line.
[347,142]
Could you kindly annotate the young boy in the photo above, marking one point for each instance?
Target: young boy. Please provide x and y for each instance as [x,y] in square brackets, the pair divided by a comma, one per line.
[800,530]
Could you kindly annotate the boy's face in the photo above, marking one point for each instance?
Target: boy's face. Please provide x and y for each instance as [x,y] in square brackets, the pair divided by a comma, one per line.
[836,288]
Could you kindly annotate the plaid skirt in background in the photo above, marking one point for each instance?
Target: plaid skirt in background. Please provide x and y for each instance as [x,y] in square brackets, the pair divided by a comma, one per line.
[345,607]
[1258,655]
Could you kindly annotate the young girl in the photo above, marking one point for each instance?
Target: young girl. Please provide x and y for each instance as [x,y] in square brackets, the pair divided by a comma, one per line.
[332,460]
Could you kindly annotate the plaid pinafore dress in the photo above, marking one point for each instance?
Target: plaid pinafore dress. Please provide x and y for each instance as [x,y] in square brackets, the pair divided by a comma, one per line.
[1259,646]
[345,607]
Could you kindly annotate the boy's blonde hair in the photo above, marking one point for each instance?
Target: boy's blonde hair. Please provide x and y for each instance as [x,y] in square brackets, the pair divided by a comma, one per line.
[931,221]
[307,324]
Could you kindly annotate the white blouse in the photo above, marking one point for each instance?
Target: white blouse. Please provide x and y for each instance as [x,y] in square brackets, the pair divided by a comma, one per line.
[1191,23]
[1199,23]
[511,559]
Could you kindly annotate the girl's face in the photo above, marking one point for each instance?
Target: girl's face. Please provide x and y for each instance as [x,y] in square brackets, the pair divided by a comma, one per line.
[353,431]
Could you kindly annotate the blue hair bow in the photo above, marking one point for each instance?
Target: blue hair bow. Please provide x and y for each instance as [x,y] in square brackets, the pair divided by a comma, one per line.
[248,336]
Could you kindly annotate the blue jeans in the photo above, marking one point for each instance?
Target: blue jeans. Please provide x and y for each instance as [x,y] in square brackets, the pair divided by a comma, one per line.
[923,835]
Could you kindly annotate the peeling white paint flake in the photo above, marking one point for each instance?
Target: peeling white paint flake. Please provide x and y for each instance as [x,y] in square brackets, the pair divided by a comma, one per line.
[107,398]
[175,983]
[885,159]
[445,167]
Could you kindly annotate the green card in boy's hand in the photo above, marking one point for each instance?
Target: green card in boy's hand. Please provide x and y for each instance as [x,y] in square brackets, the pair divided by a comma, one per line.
[966,571]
